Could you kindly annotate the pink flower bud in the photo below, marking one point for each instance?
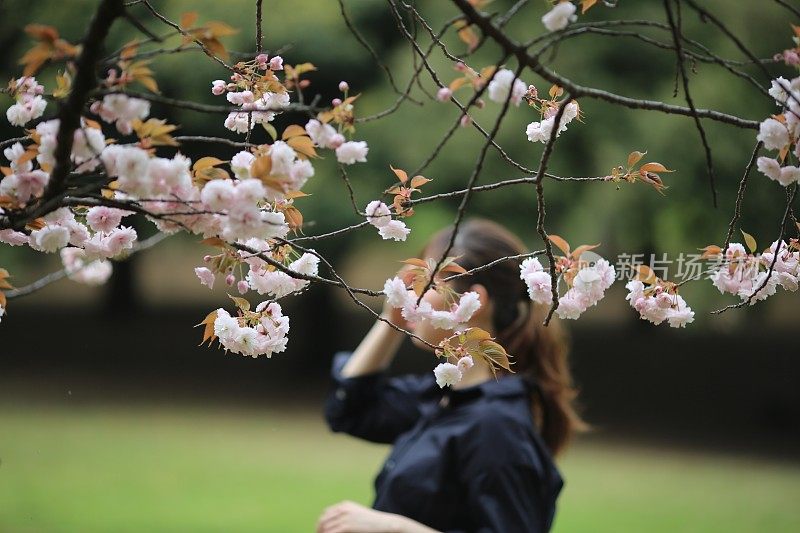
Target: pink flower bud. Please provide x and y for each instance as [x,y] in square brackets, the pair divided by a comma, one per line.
[466,120]
[533,92]
[444,94]
[230,279]
[304,83]
[791,57]
[242,287]
[218,87]
[336,102]
[461,67]
[206,258]
[336,141]
[276,63]
[343,86]
[262,60]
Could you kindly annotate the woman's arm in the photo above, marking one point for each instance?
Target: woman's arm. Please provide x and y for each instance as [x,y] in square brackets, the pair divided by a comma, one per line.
[378,348]
[351,517]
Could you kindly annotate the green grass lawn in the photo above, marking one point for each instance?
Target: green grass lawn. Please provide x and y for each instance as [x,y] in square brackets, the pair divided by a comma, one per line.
[152,469]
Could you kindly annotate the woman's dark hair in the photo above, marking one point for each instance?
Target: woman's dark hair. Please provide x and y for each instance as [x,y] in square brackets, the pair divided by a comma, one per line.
[538,353]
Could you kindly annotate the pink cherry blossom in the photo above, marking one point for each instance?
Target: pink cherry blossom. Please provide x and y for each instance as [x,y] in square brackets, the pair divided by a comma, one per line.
[395,230]
[378,213]
[105,219]
[206,276]
[352,152]
[276,63]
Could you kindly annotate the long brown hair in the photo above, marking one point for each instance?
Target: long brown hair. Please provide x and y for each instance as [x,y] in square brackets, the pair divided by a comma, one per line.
[539,353]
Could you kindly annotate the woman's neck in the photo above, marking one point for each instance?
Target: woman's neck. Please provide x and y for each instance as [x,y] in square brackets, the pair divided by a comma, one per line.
[479,373]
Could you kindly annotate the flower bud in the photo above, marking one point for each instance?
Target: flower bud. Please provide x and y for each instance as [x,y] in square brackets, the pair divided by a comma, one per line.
[461,67]
[466,120]
[230,279]
[262,60]
[242,287]
[444,94]
[343,86]
[206,258]
[336,102]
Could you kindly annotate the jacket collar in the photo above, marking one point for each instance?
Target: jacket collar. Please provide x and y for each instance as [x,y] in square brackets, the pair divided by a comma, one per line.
[504,386]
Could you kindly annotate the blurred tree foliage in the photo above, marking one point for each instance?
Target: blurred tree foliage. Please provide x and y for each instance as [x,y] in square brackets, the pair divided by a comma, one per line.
[631,219]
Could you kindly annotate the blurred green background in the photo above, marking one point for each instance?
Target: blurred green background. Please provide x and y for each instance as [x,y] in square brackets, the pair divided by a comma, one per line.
[112,420]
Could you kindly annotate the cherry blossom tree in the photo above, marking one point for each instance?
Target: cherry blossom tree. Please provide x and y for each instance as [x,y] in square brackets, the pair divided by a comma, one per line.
[89,155]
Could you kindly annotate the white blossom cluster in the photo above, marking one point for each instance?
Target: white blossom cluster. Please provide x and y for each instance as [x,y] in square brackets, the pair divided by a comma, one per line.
[588,286]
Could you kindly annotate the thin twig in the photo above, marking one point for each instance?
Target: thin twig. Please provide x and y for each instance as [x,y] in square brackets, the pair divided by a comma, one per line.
[676,37]
[737,213]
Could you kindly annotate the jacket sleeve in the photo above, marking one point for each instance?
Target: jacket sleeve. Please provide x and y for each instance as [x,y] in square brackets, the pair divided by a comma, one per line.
[372,407]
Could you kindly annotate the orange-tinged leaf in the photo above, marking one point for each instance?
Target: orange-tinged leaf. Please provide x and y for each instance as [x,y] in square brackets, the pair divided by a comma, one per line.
[129,50]
[654,167]
[38,223]
[206,162]
[712,250]
[303,145]
[294,218]
[208,330]
[261,167]
[28,155]
[635,157]
[454,267]
[241,303]
[560,243]
[293,131]
[645,274]
[216,48]
[401,174]
[418,181]
[469,37]
[3,301]
[555,91]
[220,29]
[750,241]
[213,241]
[415,261]
[41,32]
[576,253]
[586,5]
[188,19]
[149,83]
[457,83]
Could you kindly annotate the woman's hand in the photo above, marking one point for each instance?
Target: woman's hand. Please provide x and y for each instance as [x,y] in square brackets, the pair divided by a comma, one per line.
[351,517]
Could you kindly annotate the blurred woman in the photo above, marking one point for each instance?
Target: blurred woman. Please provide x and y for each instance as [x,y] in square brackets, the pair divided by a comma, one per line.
[477,457]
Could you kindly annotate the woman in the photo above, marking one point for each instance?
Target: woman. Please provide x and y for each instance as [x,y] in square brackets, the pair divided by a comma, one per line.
[476,457]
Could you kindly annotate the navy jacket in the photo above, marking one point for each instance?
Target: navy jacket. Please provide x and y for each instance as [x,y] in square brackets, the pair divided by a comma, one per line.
[468,460]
